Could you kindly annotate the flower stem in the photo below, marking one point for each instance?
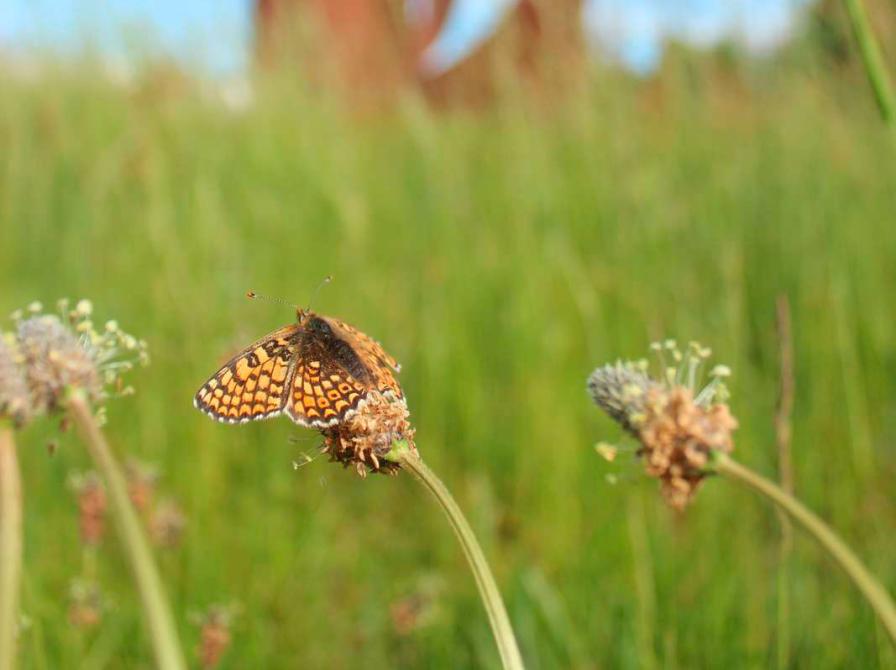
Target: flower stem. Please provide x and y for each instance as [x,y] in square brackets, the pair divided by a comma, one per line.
[874,593]
[158,614]
[488,590]
[873,61]
[10,545]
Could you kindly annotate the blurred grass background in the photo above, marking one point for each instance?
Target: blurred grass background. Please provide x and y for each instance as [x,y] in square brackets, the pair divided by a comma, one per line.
[500,255]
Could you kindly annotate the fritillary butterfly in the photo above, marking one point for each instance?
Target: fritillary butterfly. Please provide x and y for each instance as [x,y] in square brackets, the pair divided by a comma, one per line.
[318,371]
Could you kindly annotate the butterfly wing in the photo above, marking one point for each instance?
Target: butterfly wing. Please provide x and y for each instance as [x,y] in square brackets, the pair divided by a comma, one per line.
[323,393]
[380,364]
[254,384]
[337,366]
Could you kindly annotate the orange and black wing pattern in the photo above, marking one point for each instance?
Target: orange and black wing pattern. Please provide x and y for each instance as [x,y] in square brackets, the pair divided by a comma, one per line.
[255,383]
[318,371]
[380,364]
[323,393]
[336,368]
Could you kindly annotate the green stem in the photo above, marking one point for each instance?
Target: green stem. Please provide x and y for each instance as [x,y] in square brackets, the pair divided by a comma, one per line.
[158,614]
[874,593]
[488,590]
[873,61]
[10,545]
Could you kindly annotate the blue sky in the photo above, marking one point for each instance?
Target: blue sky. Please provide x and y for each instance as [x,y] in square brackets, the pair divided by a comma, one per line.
[634,32]
[215,34]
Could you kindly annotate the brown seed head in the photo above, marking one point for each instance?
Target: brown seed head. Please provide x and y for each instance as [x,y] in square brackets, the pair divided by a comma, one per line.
[366,438]
[214,634]
[417,609]
[91,507]
[405,614]
[86,604]
[678,437]
[142,480]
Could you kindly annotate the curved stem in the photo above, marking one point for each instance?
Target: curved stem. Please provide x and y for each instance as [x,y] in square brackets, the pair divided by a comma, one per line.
[485,582]
[158,615]
[874,593]
[10,545]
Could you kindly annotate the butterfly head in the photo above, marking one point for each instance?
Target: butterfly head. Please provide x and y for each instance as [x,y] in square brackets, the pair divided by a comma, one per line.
[312,322]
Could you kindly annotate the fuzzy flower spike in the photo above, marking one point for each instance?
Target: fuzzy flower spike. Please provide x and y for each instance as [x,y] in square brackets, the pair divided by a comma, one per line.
[678,420]
[65,351]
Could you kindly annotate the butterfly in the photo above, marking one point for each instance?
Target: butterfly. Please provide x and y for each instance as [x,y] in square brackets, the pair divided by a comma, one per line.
[319,371]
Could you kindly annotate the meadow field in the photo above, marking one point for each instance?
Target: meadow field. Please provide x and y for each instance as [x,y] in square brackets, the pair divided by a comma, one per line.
[500,254]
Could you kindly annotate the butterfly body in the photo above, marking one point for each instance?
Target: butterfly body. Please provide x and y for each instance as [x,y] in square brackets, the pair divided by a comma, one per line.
[318,371]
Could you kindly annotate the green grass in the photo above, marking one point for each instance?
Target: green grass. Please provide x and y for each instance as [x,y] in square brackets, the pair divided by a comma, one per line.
[500,256]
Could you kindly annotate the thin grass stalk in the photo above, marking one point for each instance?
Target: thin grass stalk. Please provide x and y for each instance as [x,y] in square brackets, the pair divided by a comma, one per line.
[870,588]
[163,633]
[783,432]
[485,582]
[873,61]
[10,545]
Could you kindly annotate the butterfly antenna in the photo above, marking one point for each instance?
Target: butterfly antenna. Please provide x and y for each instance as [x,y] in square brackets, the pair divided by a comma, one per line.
[254,295]
[324,281]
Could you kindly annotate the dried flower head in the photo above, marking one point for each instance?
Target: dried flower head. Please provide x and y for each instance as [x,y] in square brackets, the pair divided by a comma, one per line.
[417,609]
[91,493]
[167,524]
[63,352]
[142,480]
[214,633]
[15,399]
[366,438]
[678,438]
[678,425]
[86,604]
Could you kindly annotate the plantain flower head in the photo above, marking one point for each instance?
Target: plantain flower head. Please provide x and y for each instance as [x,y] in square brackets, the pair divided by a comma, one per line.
[91,494]
[678,420]
[214,634]
[87,604]
[365,439]
[64,352]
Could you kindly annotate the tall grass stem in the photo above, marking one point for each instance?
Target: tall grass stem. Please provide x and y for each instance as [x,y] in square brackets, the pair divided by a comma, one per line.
[783,434]
[871,589]
[10,545]
[160,621]
[873,60]
[485,582]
